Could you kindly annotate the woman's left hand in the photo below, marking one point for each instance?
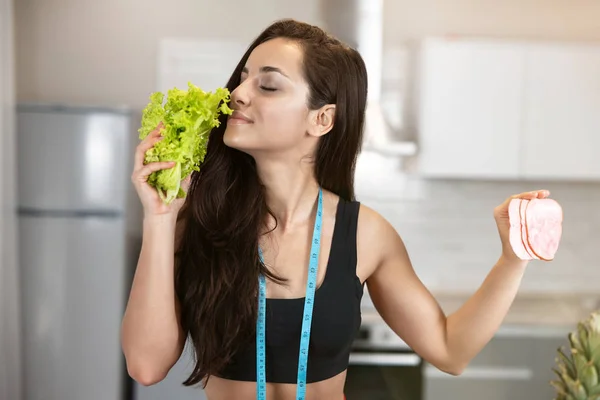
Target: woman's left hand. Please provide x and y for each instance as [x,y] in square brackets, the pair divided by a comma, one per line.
[503,222]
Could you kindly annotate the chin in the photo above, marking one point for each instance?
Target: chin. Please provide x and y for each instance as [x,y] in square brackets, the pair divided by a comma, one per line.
[235,140]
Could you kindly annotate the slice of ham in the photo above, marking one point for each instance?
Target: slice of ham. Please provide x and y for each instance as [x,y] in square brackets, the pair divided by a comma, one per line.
[522,208]
[535,228]
[544,227]
[517,230]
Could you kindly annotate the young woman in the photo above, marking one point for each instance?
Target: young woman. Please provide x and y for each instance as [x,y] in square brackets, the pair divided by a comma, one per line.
[272,214]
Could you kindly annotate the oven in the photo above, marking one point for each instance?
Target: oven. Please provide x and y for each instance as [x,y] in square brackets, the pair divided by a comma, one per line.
[382,366]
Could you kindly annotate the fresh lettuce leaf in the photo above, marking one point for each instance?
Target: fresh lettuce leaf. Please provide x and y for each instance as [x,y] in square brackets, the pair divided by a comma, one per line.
[188,117]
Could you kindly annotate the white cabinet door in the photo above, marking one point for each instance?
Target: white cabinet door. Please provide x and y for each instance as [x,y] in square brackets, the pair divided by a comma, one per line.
[561,128]
[470,108]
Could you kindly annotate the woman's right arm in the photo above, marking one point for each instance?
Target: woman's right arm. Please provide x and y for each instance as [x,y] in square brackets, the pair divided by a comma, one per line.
[152,339]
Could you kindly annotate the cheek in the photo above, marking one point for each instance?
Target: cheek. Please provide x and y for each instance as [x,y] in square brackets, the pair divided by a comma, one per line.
[278,124]
[284,119]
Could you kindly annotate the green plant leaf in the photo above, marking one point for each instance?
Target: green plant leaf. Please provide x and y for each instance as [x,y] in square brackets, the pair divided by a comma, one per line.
[589,376]
[595,391]
[566,361]
[188,118]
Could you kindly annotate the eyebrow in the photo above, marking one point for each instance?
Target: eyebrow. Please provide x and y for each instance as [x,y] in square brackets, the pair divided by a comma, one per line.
[266,69]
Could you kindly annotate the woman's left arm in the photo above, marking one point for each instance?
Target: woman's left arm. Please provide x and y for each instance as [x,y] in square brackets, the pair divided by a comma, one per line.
[447,342]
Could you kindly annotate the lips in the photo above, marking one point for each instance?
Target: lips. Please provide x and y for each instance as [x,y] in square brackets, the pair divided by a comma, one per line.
[239,117]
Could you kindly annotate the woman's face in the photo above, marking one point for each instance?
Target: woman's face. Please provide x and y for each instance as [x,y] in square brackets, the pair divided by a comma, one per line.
[270,104]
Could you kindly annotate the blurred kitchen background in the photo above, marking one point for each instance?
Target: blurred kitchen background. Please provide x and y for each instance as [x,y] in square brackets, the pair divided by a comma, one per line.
[470,102]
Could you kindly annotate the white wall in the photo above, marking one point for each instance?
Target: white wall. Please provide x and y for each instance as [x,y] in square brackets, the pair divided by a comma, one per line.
[10,360]
[531,19]
[105,51]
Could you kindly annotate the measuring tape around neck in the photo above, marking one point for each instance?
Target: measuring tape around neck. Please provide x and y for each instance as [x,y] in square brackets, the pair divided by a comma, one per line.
[311,284]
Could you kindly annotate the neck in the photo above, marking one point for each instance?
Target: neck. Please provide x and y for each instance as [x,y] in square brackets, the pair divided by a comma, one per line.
[291,191]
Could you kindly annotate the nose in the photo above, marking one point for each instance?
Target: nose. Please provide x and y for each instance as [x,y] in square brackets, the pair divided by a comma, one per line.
[240,95]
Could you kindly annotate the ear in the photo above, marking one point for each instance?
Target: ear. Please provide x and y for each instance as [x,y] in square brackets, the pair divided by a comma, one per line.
[321,120]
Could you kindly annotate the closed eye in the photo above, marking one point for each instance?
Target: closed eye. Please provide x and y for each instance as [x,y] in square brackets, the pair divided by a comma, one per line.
[268,89]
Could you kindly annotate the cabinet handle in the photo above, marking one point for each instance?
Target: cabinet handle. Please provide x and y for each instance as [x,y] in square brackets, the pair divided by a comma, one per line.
[495,373]
[385,359]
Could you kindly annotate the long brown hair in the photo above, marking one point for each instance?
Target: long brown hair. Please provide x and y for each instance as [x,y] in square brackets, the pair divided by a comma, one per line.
[217,253]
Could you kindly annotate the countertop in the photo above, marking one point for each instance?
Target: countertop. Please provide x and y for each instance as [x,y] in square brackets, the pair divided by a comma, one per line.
[530,313]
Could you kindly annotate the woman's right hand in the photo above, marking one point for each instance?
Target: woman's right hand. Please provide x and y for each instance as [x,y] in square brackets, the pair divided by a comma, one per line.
[151,201]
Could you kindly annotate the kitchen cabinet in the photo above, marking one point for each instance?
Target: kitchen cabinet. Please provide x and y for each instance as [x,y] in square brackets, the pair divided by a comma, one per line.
[508,110]
[561,125]
[515,368]
[470,110]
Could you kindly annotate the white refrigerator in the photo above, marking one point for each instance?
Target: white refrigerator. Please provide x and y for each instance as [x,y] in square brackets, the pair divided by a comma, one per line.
[73,171]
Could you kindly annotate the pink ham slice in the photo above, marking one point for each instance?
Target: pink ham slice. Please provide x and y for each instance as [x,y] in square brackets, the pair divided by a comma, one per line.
[544,227]
[522,208]
[535,228]
[517,230]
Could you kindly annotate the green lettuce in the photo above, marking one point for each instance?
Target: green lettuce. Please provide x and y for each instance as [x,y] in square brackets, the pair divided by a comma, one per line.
[188,117]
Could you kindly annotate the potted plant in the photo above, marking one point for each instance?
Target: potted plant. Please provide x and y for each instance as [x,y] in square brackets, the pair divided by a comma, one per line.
[578,370]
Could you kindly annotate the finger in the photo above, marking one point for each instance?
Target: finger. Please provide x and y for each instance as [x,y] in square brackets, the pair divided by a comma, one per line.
[153,137]
[156,130]
[150,140]
[185,184]
[142,148]
[537,193]
[143,173]
[542,193]
[155,134]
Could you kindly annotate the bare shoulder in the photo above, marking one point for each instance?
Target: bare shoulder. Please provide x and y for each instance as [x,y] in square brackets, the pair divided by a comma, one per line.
[371,221]
[377,240]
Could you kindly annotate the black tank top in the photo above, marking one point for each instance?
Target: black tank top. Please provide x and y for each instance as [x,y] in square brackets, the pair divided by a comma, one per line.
[336,317]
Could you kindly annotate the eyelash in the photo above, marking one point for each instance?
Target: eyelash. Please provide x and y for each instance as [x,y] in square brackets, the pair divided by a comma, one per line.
[265,88]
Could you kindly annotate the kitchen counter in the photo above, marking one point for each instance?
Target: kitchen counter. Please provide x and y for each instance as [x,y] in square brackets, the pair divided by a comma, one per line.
[535,314]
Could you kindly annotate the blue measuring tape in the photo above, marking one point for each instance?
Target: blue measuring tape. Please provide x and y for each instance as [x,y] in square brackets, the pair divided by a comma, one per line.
[261,385]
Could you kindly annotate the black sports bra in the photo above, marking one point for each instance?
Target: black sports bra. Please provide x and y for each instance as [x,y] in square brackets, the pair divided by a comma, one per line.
[336,317]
